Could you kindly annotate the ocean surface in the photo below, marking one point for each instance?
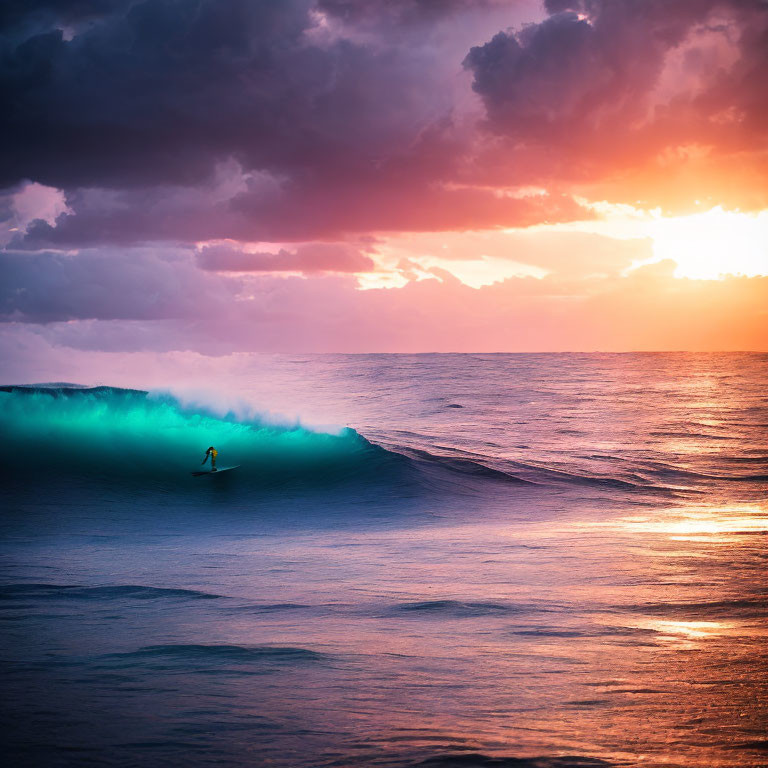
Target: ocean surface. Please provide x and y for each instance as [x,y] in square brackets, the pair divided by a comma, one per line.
[423,560]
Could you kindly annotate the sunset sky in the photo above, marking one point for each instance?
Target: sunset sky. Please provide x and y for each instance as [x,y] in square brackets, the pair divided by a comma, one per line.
[207,177]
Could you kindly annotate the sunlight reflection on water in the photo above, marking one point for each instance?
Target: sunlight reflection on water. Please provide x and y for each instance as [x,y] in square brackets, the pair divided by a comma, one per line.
[712,522]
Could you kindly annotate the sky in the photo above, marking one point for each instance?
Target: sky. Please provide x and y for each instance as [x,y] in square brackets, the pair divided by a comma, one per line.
[214,177]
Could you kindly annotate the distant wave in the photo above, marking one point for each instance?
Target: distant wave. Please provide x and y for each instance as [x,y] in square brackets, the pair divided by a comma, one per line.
[212,659]
[527,473]
[223,652]
[478,760]
[271,608]
[77,592]
[656,477]
[750,607]
[460,608]
[599,631]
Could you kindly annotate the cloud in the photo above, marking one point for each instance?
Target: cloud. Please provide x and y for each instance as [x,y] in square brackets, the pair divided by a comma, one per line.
[309,259]
[28,203]
[401,12]
[584,70]
[576,255]
[138,284]
[23,19]
[578,97]
[160,91]
[268,211]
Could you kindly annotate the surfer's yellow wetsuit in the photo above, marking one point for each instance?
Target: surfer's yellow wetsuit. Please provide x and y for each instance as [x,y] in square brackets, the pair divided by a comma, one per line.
[213,453]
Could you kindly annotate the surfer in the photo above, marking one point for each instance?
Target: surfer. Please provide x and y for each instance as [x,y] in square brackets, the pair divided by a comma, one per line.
[213,453]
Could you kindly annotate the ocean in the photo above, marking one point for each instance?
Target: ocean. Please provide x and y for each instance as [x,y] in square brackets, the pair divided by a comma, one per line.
[422,560]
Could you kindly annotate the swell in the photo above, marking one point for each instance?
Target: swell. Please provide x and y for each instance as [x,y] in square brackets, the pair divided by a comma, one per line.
[741,608]
[479,760]
[597,471]
[117,592]
[457,609]
[533,474]
[219,653]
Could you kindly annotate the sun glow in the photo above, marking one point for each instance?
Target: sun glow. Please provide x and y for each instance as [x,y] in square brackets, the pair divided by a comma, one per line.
[707,246]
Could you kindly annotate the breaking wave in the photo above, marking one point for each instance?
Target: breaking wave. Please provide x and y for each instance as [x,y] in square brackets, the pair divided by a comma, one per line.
[124,434]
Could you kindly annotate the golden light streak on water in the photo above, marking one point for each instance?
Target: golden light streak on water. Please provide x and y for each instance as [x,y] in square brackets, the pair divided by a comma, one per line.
[690,629]
[692,523]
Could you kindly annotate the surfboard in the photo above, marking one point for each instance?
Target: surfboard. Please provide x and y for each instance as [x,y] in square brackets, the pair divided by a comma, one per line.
[211,472]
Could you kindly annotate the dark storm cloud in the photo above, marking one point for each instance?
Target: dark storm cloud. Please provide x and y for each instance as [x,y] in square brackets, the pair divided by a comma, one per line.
[371,12]
[570,73]
[23,18]
[556,6]
[161,91]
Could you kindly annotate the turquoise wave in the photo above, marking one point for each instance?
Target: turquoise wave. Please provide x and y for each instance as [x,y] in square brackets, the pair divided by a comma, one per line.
[119,432]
